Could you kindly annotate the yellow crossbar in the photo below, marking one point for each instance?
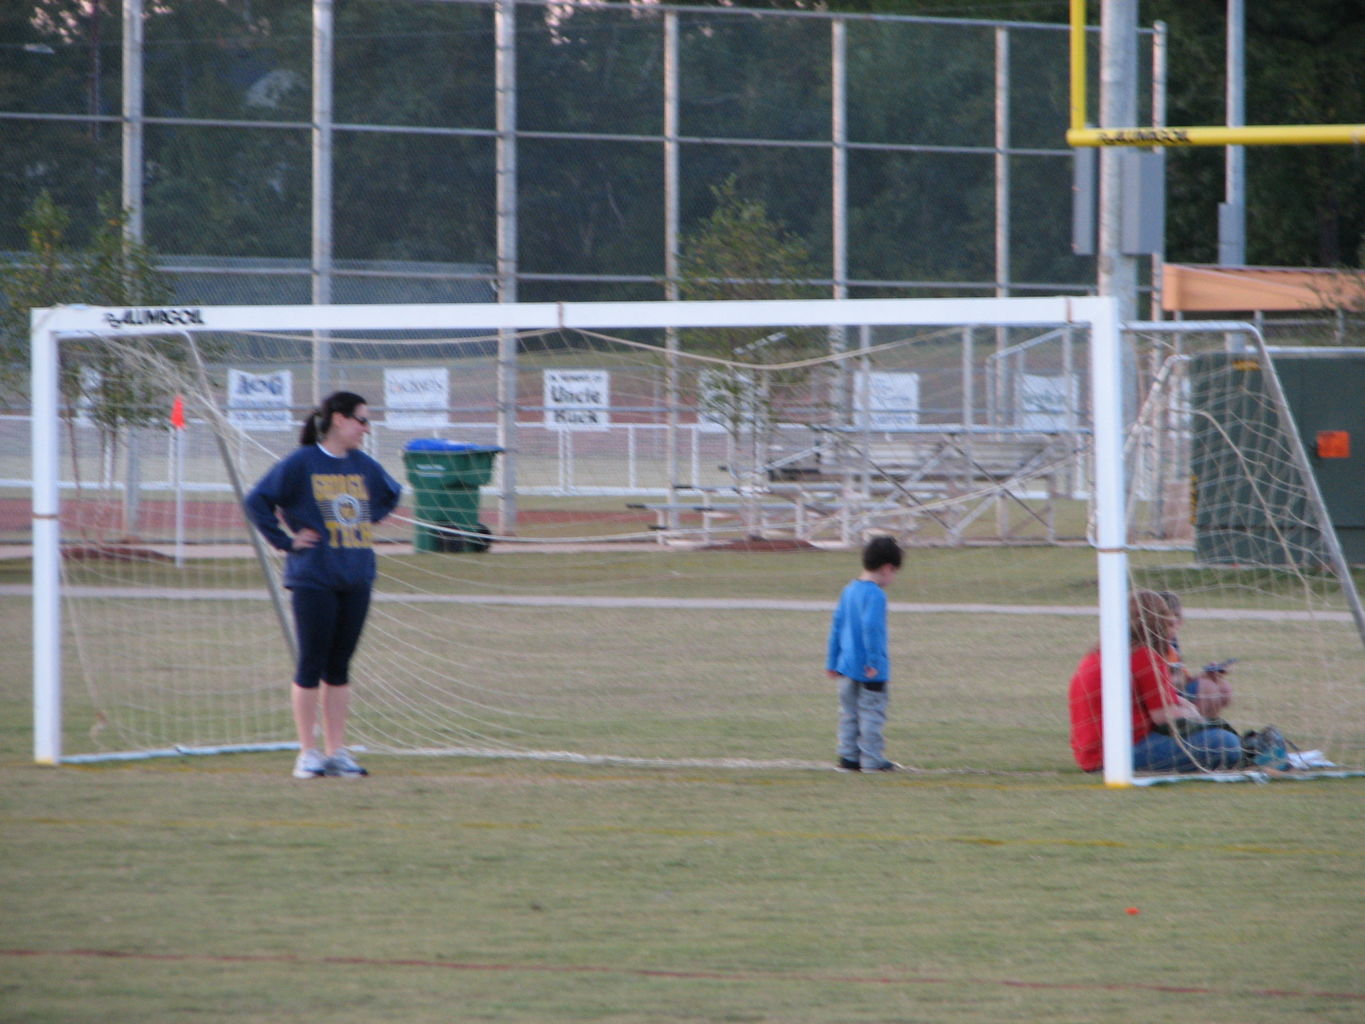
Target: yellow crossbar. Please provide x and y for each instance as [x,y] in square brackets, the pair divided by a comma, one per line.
[1214,135]
[1206,135]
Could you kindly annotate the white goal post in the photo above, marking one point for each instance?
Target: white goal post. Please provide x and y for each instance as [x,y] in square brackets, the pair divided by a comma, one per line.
[1097,315]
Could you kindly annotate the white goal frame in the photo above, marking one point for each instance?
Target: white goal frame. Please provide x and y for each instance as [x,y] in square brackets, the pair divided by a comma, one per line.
[1098,314]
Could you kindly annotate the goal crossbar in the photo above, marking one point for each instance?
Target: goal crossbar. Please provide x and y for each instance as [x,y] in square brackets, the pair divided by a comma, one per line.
[568,315]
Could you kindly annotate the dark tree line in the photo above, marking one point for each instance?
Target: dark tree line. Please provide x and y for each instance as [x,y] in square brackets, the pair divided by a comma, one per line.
[593,207]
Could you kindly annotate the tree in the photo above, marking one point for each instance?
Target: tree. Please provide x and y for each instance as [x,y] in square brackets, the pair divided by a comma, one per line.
[45,278]
[740,253]
[111,271]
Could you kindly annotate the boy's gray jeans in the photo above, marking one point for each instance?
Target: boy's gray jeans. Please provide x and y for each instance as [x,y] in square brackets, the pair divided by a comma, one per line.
[862,717]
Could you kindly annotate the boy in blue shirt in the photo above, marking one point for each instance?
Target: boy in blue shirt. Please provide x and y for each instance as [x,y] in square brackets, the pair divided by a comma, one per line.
[858,658]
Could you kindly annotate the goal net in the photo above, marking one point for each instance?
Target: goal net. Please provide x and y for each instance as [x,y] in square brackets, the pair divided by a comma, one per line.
[624,529]
[1235,507]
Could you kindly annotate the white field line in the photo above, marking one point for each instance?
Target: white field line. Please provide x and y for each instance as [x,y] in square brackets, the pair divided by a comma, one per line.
[678,603]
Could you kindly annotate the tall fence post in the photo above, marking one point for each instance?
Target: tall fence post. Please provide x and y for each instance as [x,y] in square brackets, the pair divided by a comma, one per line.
[320,269]
[672,247]
[505,71]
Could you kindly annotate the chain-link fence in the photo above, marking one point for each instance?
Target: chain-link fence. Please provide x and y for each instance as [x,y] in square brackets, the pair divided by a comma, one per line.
[386,150]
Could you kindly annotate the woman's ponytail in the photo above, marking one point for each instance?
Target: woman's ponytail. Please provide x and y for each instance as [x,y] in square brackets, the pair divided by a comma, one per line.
[319,421]
[314,426]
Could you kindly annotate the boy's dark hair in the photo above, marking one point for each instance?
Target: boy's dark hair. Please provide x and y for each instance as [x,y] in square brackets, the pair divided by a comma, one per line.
[319,421]
[880,551]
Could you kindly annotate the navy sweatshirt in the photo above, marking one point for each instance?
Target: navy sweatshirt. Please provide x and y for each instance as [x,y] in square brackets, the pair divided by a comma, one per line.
[341,498]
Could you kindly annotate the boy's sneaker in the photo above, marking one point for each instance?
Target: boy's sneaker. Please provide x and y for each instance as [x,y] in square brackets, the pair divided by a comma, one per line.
[847,764]
[310,764]
[343,765]
[885,766]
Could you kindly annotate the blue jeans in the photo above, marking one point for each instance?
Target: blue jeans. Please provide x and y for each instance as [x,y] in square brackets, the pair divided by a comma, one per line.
[1201,750]
[862,717]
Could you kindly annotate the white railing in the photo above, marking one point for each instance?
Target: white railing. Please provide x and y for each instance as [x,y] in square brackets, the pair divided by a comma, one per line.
[628,459]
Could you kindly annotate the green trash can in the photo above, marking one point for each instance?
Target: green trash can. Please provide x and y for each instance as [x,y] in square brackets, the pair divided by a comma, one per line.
[445,478]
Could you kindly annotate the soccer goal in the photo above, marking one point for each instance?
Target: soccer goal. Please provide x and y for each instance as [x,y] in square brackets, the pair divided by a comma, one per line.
[593,597]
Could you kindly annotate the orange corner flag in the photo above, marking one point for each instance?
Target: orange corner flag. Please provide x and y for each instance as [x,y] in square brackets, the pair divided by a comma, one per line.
[178,413]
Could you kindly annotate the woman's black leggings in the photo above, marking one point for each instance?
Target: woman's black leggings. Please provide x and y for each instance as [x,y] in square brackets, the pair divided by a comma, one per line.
[327,624]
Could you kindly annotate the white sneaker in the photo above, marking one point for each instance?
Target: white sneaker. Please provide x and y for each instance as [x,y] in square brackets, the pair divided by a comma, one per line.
[310,764]
[342,764]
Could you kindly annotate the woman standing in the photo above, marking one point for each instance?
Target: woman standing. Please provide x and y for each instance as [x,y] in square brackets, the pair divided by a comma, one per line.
[328,494]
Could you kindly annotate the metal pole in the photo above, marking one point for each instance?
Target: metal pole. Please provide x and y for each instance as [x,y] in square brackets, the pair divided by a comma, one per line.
[1232,221]
[1073,397]
[321,260]
[1002,174]
[1117,273]
[131,200]
[1232,213]
[671,179]
[1111,540]
[863,403]
[968,382]
[1079,80]
[505,72]
[1002,162]
[840,399]
[132,118]
[47,553]
[839,150]
[672,292]
[1159,53]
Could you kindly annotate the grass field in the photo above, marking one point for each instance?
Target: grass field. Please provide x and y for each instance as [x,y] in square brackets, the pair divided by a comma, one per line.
[473,890]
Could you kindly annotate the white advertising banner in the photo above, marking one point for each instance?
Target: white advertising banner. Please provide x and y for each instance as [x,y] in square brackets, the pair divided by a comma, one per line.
[1046,402]
[260,401]
[885,400]
[417,398]
[577,399]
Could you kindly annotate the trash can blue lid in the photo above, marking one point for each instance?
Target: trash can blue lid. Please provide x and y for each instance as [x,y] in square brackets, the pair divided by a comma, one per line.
[436,444]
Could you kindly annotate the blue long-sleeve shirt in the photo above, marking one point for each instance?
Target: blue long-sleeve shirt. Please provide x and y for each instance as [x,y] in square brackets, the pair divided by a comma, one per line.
[857,635]
[341,497]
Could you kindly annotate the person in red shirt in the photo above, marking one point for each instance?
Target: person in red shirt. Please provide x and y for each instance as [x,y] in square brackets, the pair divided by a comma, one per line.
[1169,733]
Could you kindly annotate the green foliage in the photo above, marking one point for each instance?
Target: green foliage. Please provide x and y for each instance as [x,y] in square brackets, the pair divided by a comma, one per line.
[45,278]
[740,253]
[110,271]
